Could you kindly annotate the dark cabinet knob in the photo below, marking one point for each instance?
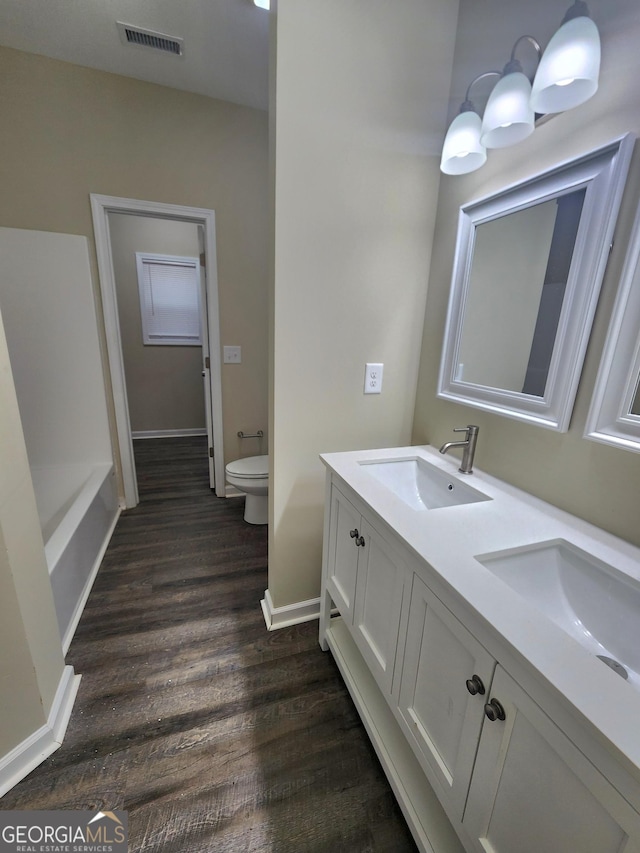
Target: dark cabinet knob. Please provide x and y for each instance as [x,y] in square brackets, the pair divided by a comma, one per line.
[355,534]
[475,685]
[494,711]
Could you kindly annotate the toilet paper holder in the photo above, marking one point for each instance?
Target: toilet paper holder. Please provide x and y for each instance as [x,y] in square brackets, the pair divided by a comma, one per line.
[258,434]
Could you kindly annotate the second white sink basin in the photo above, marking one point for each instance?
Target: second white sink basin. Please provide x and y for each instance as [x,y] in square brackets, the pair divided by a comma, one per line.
[590,600]
[421,485]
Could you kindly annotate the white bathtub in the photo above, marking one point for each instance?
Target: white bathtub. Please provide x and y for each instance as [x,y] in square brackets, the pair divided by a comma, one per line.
[78,509]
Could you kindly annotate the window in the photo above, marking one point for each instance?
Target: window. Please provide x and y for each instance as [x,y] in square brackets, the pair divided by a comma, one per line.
[169,299]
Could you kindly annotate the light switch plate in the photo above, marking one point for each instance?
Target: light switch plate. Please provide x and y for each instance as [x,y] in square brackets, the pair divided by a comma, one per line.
[232,355]
[373,378]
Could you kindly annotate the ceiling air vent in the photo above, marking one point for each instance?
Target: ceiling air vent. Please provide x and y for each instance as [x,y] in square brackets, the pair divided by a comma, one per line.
[138,37]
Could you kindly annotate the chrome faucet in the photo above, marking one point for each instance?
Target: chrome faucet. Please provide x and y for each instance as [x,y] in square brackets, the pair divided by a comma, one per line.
[469,444]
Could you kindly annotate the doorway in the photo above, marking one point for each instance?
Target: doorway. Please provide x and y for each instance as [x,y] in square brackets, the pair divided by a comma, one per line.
[102,208]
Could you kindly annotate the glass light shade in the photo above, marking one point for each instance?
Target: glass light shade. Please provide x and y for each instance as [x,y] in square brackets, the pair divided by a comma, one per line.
[462,151]
[508,116]
[568,72]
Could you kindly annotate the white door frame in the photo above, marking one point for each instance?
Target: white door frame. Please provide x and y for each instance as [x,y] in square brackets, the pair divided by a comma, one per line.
[206,359]
[101,206]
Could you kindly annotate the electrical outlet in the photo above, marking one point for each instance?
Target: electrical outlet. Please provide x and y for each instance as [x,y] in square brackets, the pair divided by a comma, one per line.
[373,378]
[232,355]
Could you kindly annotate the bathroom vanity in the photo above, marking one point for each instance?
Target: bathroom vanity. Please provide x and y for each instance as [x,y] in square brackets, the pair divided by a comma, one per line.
[470,622]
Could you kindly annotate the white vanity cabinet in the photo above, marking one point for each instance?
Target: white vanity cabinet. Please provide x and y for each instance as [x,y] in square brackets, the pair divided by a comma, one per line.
[365,578]
[533,791]
[427,688]
[446,677]
[518,783]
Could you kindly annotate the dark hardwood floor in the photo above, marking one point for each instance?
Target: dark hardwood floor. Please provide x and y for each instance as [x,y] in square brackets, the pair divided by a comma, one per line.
[213,733]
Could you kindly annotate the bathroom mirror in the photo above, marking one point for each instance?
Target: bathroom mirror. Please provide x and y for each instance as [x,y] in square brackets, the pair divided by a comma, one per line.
[614,416]
[528,266]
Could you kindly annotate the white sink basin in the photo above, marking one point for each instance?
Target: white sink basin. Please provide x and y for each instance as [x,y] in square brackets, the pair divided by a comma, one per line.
[590,600]
[421,485]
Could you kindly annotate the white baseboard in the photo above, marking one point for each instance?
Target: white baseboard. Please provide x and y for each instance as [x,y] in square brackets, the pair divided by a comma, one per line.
[26,756]
[290,614]
[168,433]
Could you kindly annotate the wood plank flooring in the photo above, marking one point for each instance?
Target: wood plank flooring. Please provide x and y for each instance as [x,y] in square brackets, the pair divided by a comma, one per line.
[213,733]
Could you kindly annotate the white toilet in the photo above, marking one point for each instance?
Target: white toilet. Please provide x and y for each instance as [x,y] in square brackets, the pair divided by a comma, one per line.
[251,476]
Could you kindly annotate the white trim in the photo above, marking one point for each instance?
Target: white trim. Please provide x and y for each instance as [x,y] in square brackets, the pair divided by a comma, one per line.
[101,206]
[167,433]
[610,420]
[290,614]
[26,756]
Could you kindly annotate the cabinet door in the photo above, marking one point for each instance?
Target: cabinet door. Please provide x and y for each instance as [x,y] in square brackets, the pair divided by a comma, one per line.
[533,791]
[343,554]
[441,717]
[379,591]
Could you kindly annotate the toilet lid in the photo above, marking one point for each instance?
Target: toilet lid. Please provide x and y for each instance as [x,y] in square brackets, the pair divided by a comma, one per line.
[251,467]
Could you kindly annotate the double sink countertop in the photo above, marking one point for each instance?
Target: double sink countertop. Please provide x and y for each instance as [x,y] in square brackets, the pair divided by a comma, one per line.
[450,538]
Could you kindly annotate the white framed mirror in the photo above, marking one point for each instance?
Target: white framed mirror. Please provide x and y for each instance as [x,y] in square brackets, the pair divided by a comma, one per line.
[614,415]
[527,272]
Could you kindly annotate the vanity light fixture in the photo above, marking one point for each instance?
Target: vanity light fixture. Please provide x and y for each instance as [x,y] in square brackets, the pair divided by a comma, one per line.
[509,117]
[568,72]
[463,151]
[566,76]
[262,4]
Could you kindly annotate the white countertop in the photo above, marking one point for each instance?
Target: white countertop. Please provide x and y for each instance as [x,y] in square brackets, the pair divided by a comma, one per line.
[449,538]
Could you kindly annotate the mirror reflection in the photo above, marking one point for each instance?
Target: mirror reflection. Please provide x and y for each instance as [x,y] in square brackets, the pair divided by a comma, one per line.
[517,284]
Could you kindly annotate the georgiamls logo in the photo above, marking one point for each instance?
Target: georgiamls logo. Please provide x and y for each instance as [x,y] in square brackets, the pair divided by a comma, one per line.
[63,832]
[100,834]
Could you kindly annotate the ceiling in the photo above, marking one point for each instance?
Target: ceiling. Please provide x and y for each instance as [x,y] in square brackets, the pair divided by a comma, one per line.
[225,41]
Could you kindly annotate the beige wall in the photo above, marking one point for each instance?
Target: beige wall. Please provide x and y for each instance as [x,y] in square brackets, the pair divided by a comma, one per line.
[164,383]
[31,663]
[50,322]
[595,482]
[356,179]
[70,131]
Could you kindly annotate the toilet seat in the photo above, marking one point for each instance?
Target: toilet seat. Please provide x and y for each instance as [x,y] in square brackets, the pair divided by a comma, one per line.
[249,468]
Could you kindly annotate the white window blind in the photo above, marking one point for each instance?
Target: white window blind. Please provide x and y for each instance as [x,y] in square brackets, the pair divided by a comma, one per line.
[169,299]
